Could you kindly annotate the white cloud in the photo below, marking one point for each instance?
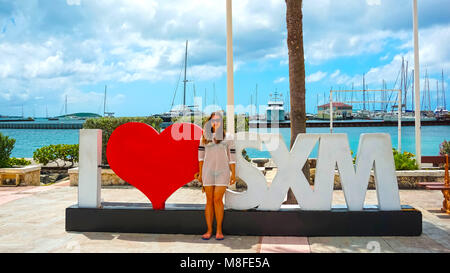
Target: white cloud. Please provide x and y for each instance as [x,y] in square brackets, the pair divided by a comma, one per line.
[73,2]
[315,77]
[280,80]
[435,48]
[337,45]
[54,45]
[385,57]
[335,73]
[373,2]
[434,57]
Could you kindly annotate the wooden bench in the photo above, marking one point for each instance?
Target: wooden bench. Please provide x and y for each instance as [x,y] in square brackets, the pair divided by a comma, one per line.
[438,187]
[435,160]
[444,187]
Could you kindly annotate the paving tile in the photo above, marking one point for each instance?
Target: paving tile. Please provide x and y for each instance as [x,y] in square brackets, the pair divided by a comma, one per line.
[32,219]
[284,244]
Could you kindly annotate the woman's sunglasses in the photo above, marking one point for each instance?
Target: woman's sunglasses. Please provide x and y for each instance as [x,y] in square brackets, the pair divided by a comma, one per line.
[216,120]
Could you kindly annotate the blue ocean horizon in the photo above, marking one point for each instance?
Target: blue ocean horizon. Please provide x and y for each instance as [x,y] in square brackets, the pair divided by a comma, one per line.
[27,141]
[432,137]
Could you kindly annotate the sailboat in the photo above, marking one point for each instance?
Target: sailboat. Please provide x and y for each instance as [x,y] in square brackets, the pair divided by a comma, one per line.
[180,110]
[441,112]
[105,113]
[63,117]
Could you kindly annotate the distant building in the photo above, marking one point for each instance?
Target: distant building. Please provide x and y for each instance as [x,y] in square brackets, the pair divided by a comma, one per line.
[340,111]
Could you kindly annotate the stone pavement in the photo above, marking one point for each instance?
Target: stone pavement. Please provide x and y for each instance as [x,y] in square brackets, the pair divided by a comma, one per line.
[32,219]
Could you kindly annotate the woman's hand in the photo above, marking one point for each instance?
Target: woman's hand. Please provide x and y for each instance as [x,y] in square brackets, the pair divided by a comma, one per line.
[233,173]
[232,179]
[198,176]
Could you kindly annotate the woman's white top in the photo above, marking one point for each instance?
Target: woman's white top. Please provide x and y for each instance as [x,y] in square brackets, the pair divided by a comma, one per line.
[216,160]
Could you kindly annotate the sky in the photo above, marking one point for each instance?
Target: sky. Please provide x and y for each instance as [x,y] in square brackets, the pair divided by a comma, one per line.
[53,49]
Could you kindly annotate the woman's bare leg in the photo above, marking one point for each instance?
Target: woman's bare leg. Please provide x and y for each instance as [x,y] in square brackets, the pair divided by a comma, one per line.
[219,191]
[209,211]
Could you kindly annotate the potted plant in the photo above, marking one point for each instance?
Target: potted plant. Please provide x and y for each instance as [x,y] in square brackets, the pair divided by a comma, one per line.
[444,148]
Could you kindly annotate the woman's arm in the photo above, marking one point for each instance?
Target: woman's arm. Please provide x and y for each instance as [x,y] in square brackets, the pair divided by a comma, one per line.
[233,173]
[200,170]
[232,160]
[201,157]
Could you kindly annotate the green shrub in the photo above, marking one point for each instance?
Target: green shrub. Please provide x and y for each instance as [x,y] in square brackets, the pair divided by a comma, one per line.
[444,148]
[53,153]
[108,125]
[45,154]
[404,161]
[191,119]
[6,147]
[70,153]
[13,162]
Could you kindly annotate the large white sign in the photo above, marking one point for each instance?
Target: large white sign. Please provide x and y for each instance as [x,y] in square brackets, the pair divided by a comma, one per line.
[375,151]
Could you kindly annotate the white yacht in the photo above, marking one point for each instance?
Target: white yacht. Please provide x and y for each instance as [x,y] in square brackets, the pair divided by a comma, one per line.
[275,109]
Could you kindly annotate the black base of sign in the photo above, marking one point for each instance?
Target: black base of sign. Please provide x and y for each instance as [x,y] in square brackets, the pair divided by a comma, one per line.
[289,221]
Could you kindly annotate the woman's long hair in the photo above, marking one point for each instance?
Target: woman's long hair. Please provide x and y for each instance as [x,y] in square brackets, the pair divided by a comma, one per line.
[208,130]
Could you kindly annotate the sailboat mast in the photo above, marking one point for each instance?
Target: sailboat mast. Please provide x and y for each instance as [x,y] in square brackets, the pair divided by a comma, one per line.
[251,105]
[400,107]
[406,86]
[437,93]
[424,91]
[443,90]
[412,91]
[317,103]
[364,92]
[104,103]
[351,99]
[185,81]
[428,92]
[256,101]
[382,95]
[65,108]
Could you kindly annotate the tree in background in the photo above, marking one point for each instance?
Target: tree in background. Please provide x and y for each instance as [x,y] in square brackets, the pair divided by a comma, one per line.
[294,17]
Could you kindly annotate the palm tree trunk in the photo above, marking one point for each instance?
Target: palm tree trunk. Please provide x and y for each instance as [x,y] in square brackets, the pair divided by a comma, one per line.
[294,17]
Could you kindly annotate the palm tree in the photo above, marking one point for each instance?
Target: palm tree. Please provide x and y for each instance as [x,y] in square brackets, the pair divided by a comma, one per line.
[294,17]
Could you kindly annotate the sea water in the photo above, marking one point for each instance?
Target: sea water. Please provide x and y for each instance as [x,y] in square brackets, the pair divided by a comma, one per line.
[27,141]
[432,137]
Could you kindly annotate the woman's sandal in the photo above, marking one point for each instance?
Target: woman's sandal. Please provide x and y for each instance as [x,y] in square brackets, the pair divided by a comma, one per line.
[219,238]
[206,238]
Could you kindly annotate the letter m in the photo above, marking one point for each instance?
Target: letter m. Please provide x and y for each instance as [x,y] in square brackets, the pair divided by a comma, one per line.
[374,151]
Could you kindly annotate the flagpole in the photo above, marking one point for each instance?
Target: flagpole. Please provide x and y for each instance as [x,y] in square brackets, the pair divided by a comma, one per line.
[417,85]
[230,79]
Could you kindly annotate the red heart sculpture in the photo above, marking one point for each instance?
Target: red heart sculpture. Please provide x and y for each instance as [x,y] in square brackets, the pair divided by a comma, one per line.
[156,164]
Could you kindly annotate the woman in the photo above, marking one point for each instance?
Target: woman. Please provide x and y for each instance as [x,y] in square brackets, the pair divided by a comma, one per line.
[217,157]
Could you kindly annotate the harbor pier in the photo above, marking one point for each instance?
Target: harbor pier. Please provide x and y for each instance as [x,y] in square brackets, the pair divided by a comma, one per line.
[368,123]
[37,125]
